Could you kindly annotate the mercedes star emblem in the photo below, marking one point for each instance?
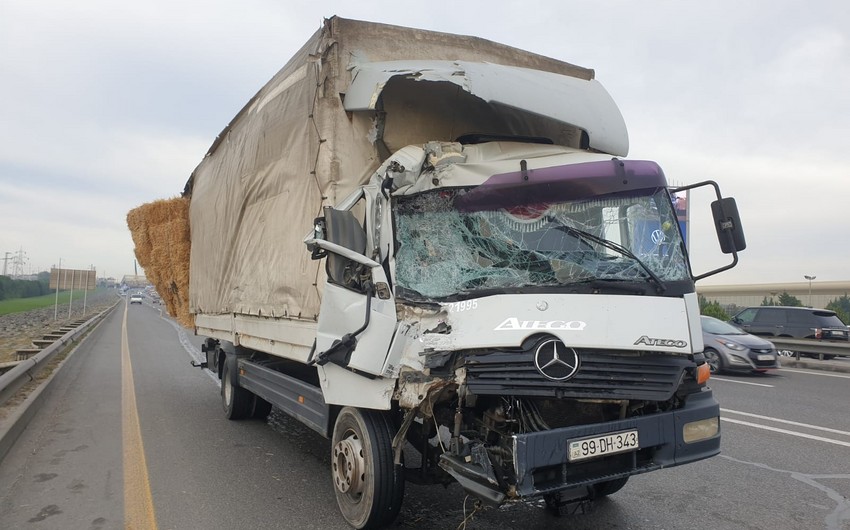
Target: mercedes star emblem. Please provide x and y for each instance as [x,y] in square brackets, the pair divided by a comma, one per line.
[555,361]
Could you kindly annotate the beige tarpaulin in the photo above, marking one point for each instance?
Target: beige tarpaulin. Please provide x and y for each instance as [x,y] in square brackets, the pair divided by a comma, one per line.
[294,149]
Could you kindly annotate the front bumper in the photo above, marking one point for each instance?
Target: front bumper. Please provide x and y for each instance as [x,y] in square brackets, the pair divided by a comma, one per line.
[542,466]
[747,361]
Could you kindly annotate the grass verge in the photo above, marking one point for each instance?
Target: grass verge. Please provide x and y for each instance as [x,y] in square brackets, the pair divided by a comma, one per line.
[18,305]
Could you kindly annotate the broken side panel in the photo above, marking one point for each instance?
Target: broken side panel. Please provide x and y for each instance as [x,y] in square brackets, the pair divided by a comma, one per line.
[448,99]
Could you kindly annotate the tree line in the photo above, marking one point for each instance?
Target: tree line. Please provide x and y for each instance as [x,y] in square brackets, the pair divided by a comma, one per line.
[10,288]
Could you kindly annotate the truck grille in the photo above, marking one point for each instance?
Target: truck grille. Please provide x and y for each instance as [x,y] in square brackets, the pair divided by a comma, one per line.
[602,375]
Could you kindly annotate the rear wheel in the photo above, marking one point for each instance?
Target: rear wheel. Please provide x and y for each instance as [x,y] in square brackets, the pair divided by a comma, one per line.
[715,363]
[236,401]
[369,487]
[260,408]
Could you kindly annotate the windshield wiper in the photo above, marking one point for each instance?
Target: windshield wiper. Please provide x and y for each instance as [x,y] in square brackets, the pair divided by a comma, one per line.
[616,247]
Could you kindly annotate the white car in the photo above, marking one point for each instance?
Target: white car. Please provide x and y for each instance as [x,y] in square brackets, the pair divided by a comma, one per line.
[135,298]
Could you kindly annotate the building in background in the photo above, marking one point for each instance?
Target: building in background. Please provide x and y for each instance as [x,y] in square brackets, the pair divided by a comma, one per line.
[134,281]
[821,294]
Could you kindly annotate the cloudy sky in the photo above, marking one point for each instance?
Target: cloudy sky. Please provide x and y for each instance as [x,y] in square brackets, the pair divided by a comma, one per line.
[106,105]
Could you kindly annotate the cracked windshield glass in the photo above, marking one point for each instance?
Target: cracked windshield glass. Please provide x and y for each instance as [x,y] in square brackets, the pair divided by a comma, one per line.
[620,237]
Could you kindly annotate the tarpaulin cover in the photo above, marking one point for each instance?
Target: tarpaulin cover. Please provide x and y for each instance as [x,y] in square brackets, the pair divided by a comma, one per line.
[294,149]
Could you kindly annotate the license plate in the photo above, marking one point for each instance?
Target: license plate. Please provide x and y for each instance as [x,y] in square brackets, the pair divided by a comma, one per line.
[606,444]
[764,357]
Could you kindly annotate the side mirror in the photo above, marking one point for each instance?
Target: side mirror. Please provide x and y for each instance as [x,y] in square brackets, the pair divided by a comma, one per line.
[343,229]
[727,222]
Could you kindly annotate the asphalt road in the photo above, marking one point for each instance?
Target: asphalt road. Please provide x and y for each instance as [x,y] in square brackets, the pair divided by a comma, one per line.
[164,456]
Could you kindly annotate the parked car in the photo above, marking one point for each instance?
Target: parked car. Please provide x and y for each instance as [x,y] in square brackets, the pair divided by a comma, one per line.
[793,322]
[135,298]
[728,348]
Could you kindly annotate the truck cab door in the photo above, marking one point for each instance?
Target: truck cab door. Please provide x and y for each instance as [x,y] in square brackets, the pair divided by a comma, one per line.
[357,317]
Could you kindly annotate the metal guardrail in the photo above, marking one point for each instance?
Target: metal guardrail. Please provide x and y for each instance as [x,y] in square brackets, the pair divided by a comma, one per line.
[811,346]
[25,371]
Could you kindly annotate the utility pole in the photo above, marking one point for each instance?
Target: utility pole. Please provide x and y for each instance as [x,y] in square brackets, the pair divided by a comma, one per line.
[56,306]
[19,260]
[810,278]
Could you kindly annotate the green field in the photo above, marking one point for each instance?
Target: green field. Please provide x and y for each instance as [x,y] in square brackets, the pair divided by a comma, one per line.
[17,305]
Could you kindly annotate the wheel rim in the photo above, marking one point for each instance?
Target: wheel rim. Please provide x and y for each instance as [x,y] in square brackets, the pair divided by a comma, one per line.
[349,466]
[228,389]
[713,361]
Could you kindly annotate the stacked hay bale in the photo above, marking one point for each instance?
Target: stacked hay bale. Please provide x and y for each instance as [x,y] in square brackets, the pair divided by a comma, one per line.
[160,231]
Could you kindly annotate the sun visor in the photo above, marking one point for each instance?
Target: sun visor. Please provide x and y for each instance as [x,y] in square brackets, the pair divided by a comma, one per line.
[578,102]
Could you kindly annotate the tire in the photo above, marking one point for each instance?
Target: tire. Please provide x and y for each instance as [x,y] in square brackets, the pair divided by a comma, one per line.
[825,357]
[237,402]
[603,489]
[369,487]
[715,362]
[260,408]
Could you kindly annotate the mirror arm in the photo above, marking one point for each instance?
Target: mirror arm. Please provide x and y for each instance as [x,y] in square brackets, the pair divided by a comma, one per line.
[727,230]
[721,269]
[342,251]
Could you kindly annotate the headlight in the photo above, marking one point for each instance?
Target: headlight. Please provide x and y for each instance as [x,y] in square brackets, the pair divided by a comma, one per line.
[731,345]
[696,431]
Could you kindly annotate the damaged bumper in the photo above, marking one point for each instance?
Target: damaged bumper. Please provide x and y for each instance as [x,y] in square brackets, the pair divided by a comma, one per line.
[542,465]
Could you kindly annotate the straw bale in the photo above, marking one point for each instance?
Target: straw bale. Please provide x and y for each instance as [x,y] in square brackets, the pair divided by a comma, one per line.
[162,237]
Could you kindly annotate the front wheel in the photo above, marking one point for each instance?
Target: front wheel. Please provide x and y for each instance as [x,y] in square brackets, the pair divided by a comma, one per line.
[369,487]
[715,363]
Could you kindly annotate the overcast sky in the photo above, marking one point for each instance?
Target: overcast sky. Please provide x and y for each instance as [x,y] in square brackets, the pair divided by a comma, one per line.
[106,105]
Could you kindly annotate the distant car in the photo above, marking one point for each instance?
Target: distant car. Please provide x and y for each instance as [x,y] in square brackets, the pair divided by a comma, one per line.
[135,299]
[729,349]
[793,322]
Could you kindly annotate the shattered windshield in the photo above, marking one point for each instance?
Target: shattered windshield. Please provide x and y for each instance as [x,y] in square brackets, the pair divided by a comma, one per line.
[443,251]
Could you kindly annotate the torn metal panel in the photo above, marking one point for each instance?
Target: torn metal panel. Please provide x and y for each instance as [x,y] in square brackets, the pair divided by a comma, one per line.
[423,331]
[416,392]
[577,102]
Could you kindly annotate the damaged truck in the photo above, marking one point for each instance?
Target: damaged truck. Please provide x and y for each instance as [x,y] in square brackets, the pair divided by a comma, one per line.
[430,249]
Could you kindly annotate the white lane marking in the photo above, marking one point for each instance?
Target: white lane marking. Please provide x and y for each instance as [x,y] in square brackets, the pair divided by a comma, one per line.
[785,431]
[788,422]
[195,354]
[739,382]
[825,374]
